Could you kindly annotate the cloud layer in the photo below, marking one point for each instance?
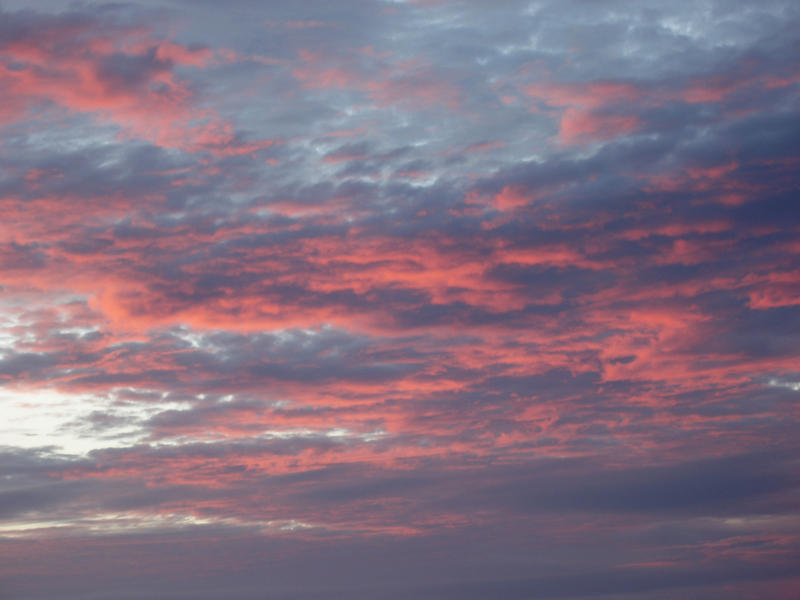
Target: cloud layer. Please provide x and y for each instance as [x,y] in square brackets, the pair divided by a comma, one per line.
[432,299]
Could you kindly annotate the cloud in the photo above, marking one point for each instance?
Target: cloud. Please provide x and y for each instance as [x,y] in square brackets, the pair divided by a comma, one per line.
[495,300]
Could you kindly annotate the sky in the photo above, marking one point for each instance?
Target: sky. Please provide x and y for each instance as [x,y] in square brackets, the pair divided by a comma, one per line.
[390,299]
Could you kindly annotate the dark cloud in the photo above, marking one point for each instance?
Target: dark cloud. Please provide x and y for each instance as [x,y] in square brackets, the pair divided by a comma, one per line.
[706,487]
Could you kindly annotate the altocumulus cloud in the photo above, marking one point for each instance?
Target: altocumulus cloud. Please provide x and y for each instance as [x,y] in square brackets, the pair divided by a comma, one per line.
[399,298]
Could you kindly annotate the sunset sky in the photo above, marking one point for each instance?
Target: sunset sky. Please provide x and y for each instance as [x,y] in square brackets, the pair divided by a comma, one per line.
[400,299]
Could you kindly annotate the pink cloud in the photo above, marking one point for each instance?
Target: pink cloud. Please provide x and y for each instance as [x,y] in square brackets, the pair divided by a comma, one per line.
[589,110]
[410,83]
[80,70]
